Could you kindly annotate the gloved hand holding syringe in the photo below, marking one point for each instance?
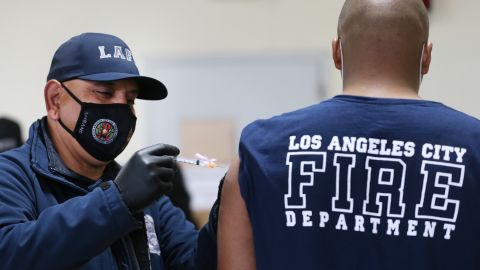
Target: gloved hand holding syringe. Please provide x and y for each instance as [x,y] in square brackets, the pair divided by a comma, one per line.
[200,160]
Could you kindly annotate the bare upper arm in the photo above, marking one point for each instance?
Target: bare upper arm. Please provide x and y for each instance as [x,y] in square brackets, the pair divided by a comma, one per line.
[235,239]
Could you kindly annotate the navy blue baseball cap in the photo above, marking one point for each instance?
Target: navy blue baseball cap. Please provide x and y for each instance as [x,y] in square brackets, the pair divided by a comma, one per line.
[101,57]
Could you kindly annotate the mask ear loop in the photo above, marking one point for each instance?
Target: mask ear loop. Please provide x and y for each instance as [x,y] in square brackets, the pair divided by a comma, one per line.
[71,94]
[341,61]
[421,64]
[74,98]
[65,127]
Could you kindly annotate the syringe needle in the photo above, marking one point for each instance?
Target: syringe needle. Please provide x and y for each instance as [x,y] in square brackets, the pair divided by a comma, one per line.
[198,162]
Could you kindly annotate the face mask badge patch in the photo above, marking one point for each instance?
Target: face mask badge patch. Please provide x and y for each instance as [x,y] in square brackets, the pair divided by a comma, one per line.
[104,131]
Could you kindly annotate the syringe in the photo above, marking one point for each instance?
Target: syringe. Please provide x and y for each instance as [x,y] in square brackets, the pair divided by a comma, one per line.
[198,162]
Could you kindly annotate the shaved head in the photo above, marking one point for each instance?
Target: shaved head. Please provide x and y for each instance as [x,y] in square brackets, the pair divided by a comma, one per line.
[383,38]
[389,20]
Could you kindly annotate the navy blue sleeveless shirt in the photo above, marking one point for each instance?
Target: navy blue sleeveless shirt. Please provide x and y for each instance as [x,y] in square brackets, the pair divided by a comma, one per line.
[364,183]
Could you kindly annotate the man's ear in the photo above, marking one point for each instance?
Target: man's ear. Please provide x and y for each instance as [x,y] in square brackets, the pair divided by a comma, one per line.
[337,53]
[427,58]
[52,93]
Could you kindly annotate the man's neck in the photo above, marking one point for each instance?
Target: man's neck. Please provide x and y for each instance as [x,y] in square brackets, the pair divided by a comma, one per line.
[73,156]
[381,91]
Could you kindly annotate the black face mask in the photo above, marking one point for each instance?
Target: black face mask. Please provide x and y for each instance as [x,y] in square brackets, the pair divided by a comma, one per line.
[102,130]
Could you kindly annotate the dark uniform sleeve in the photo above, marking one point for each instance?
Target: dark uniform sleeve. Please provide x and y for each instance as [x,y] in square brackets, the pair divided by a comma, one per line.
[182,246]
[63,236]
[206,258]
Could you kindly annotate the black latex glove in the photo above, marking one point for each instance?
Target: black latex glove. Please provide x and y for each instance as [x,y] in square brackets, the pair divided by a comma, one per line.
[147,176]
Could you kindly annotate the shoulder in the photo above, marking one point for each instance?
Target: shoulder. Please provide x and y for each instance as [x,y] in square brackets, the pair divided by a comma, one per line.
[458,122]
[15,161]
[16,175]
[468,119]
[263,128]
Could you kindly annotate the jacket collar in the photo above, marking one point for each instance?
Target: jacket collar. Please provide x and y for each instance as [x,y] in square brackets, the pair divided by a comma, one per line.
[55,163]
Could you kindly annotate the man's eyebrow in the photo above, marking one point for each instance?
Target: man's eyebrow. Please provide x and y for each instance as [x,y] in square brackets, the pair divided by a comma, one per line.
[134,91]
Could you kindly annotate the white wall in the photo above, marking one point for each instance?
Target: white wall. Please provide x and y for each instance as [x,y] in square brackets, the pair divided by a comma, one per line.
[455,62]
[30,33]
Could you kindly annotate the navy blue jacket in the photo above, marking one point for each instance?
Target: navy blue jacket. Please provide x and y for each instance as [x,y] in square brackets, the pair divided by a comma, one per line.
[49,222]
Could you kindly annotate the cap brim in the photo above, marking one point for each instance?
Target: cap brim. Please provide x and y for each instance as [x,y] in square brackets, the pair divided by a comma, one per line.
[150,88]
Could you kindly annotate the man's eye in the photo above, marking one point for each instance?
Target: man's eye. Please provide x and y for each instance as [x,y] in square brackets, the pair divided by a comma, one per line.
[103,93]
